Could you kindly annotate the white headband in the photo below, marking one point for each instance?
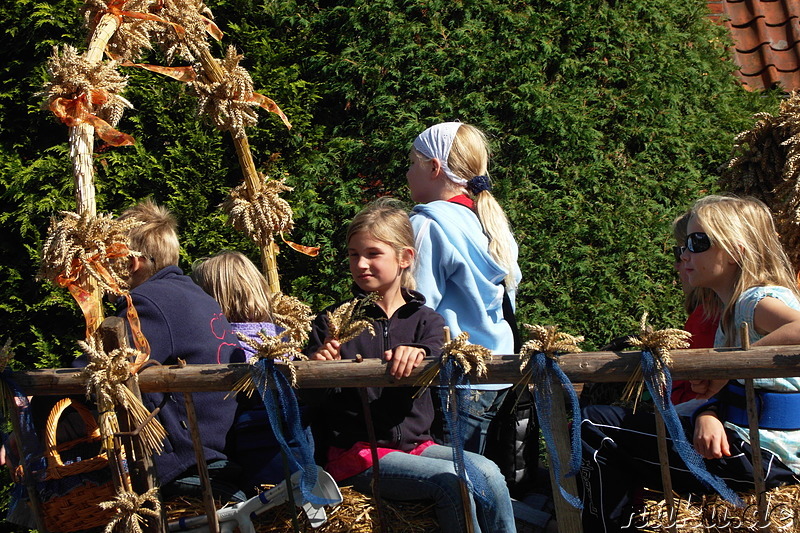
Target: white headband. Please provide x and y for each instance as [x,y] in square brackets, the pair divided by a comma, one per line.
[436,142]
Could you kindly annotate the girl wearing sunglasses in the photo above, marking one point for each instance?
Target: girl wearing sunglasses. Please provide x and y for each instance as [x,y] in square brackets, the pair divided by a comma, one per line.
[731,249]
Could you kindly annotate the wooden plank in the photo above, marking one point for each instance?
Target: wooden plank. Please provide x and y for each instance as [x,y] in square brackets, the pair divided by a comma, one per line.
[762,362]
[567,516]
[666,477]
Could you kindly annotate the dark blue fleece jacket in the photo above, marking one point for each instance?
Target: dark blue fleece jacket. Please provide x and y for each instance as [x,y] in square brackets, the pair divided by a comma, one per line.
[180,320]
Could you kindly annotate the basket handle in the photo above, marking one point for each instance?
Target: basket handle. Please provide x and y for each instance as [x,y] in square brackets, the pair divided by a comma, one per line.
[51,447]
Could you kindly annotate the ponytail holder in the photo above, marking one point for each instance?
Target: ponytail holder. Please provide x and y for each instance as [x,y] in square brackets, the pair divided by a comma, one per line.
[479,184]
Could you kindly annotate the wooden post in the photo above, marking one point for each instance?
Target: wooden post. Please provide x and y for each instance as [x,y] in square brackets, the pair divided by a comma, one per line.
[202,469]
[465,501]
[141,468]
[666,478]
[755,440]
[567,516]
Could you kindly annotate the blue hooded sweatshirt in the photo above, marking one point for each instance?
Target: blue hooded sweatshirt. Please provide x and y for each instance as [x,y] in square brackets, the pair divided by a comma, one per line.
[459,278]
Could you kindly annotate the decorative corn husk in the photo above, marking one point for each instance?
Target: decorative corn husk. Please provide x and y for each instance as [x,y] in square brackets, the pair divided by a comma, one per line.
[130,509]
[347,321]
[278,348]
[106,375]
[292,315]
[547,340]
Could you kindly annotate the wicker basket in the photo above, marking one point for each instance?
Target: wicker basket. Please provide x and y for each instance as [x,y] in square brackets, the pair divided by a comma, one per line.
[78,509]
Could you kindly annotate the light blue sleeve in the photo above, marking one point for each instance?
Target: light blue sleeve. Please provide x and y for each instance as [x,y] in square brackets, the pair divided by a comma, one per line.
[428,269]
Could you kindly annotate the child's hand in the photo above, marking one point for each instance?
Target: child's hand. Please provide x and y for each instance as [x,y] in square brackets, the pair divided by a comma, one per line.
[706,388]
[710,439]
[404,360]
[328,352]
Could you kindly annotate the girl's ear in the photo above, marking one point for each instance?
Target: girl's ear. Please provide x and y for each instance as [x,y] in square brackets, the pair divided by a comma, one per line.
[406,257]
[436,167]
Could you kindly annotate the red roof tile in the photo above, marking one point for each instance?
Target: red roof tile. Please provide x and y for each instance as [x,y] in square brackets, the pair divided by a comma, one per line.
[766,35]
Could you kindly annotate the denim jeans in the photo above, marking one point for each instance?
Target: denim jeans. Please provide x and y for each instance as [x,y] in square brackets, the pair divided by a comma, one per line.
[431,476]
[475,415]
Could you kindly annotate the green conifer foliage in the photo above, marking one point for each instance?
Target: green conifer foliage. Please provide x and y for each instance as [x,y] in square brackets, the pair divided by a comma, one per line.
[606,119]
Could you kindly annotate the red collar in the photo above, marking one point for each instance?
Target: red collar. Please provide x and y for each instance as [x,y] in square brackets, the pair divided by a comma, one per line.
[463,199]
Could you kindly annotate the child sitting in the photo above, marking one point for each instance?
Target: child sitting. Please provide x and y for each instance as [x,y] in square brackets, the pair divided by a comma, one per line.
[731,248]
[380,244]
[243,293]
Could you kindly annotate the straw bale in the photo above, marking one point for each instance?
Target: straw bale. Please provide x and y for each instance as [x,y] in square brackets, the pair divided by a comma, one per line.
[712,513]
[356,514]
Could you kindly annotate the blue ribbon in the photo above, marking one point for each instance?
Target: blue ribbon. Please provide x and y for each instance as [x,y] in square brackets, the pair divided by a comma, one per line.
[663,402]
[263,370]
[546,373]
[452,377]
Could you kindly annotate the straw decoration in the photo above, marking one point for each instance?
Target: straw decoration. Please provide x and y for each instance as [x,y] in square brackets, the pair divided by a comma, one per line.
[261,215]
[71,75]
[658,343]
[275,347]
[292,315]
[81,92]
[347,321]
[129,509]
[766,165]
[471,358]
[230,103]
[78,247]
[547,340]
[106,375]
[133,35]
[194,20]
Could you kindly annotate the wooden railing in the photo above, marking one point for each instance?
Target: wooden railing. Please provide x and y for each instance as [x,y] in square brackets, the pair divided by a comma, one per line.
[757,362]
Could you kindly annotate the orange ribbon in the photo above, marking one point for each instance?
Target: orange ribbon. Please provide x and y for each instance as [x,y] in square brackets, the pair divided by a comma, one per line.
[114,7]
[184,74]
[270,105]
[74,111]
[89,302]
[212,29]
[311,251]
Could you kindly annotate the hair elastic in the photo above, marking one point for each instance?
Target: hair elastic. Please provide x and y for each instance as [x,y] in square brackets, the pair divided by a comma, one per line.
[479,184]
[436,142]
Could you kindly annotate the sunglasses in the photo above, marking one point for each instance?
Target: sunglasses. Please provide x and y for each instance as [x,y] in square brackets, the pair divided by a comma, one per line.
[695,242]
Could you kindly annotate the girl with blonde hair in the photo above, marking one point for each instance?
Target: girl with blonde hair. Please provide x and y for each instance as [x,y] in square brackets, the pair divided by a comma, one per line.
[732,249]
[411,467]
[467,256]
[243,294]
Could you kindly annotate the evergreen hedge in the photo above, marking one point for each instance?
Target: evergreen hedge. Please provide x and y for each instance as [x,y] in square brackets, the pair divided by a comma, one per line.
[606,119]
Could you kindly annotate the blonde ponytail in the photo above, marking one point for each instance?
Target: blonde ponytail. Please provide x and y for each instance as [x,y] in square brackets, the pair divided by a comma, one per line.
[469,157]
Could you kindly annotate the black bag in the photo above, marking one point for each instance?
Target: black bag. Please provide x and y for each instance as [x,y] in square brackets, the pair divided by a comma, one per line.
[513,442]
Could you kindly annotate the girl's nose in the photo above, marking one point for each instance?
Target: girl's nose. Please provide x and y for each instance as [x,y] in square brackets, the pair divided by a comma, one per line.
[684,253]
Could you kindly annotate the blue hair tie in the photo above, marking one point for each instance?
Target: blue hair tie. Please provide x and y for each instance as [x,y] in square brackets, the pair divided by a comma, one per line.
[479,184]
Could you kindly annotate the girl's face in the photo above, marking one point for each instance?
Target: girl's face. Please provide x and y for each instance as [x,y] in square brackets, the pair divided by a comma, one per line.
[375,266]
[420,178]
[713,268]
